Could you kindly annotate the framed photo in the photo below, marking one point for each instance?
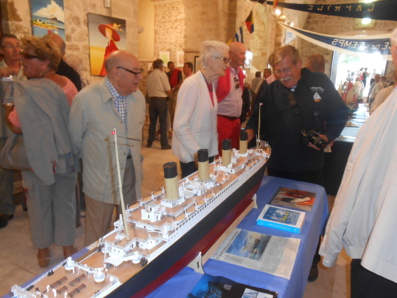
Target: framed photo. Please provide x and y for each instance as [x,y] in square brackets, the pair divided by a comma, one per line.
[48,17]
[180,58]
[106,35]
[197,63]
[165,56]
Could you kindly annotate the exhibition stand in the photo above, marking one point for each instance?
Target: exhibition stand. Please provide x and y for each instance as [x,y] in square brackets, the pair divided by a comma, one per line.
[181,284]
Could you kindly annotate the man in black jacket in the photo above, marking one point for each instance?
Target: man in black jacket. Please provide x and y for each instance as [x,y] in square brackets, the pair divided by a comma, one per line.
[298,102]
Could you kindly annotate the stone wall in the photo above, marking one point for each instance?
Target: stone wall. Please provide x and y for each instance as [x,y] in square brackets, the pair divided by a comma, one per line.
[17,20]
[182,25]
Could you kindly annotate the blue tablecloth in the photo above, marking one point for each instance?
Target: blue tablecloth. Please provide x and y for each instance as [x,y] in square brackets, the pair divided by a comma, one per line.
[181,284]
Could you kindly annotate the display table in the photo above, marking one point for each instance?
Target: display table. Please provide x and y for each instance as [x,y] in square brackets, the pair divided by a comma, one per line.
[181,284]
[335,162]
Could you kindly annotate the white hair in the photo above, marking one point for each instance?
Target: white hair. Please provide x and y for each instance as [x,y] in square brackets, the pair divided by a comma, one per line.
[211,48]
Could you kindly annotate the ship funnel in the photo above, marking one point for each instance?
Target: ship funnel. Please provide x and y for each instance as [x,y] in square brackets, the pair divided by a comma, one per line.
[243,141]
[171,181]
[226,152]
[203,165]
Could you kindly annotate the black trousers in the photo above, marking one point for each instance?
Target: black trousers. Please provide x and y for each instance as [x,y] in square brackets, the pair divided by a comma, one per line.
[158,108]
[366,284]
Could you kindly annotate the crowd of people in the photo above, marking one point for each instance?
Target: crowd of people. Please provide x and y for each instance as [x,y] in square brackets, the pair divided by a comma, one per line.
[67,131]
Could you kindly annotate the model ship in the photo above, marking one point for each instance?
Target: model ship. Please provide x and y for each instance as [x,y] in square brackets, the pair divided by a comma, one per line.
[161,234]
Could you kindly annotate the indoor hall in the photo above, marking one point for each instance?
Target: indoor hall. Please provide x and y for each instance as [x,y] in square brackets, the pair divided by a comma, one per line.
[174,30]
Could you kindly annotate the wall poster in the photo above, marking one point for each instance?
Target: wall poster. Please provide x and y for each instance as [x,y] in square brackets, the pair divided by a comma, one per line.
[106,35]
[48,17]
[165,56]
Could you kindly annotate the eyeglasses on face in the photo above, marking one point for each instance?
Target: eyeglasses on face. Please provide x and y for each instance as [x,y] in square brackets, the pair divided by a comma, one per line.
[28,56]
[225,60]
[11,46]
[284,70]
[136,73]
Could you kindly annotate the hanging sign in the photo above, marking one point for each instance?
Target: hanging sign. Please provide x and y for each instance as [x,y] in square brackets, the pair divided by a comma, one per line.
[380,10]
[352,45]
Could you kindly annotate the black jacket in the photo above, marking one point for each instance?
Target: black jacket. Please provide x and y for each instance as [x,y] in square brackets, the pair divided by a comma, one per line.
[285,114]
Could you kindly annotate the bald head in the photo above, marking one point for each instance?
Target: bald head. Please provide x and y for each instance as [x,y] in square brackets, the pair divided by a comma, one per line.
[58,41]
[316,63]
[118,58]
[123,72]
[236,54]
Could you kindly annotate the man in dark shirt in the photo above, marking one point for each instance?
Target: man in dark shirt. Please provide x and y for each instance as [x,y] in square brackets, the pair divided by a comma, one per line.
[299,100]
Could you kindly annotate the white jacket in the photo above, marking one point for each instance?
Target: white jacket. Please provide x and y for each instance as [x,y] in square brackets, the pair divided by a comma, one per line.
[195,121]
[364,217]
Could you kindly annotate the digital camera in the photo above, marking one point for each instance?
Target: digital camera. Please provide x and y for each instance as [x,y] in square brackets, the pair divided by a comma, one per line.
[312,136]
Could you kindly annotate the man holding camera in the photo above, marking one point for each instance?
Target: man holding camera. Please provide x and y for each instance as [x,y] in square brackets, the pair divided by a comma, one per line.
[301,112]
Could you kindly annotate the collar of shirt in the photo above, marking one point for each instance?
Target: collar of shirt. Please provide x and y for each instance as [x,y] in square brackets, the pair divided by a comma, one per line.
[113,91]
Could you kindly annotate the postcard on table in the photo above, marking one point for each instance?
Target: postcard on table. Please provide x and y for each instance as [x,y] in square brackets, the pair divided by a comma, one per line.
[294,198]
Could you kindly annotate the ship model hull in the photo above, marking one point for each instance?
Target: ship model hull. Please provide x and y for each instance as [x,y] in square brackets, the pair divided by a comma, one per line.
[198,239]
[166,233]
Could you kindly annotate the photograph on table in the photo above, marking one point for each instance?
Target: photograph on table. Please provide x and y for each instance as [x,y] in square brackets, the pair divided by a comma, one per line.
[271,254]
[294,198]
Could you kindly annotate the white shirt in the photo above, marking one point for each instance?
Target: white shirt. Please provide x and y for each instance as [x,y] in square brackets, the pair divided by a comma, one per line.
[157,84]
[232,104]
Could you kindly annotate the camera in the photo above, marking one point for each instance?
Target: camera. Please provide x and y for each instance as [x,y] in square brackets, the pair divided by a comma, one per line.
[313,137]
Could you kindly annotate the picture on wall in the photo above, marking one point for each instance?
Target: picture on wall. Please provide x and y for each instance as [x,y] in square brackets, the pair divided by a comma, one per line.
[165,56]
[48,17]
[180,58]
[106,35]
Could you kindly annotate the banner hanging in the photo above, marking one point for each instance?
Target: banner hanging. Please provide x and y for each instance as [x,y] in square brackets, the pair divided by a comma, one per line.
[381,10]
[238,36]
[352,45]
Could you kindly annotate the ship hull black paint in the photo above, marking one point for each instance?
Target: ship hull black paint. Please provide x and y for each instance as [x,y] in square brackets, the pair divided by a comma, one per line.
[198,239]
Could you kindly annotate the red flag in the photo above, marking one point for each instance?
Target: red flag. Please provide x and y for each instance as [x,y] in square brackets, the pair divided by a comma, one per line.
[275,3]
[250,23]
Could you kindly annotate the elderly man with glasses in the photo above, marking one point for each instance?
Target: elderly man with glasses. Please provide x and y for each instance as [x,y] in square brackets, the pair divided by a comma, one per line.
[229,93]
[114,103]
[301,112]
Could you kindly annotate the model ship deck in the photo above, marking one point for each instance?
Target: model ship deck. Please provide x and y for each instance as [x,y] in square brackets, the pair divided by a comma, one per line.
[154,225]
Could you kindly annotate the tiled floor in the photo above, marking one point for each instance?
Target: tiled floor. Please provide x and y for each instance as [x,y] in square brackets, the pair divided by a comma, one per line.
[18,262]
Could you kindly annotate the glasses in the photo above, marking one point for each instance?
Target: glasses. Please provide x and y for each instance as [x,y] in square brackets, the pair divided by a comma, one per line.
[28,56]
[136,73]
[225,60]
[11,46]
[237,81]
[284,70]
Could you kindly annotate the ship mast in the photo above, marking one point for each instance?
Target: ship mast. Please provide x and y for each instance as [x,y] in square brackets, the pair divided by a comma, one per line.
[127,233]
[258,137]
